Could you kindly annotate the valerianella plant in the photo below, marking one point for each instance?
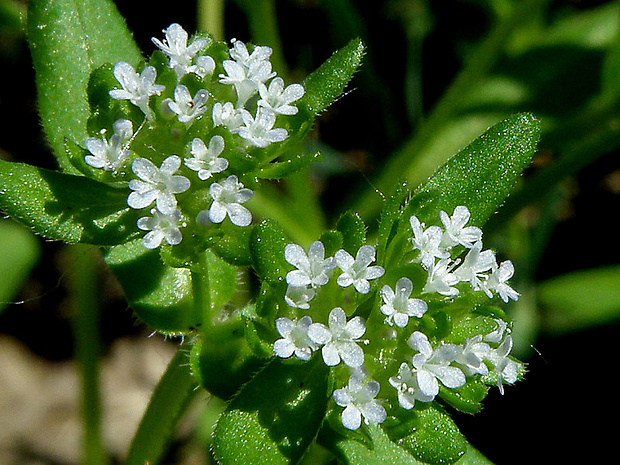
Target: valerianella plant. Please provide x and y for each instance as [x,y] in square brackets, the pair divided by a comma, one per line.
[363,340]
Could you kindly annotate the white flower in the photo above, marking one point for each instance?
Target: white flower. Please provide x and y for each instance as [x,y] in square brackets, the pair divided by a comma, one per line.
[137,88]
[472,354]
[398,306]
[278,99]
[227,115]
[228,195]
[157,184]
[175,46]
[259,131]
[428,242]
[110,155]
[160,227]
[408,390]
[505,369]
[205,65]
[498,334]
[184,106]
[339,340]
[475,263]
[295,338]
[441,279]
[356,271]
[299,296]
[433,365]
[498,281]
[312,268]
[358,399]
[455,231]
[246,71]
[206,160]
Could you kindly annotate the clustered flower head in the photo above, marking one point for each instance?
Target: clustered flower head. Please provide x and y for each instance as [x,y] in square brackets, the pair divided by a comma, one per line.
[377,383]
[184,121]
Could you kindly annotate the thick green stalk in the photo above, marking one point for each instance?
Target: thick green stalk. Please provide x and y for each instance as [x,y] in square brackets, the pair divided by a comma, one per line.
[82,282]
[169,401]
[211,17]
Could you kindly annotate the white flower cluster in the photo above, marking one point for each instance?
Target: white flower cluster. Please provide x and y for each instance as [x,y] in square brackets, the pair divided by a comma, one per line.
[249,74]
[426,367]
[479,268]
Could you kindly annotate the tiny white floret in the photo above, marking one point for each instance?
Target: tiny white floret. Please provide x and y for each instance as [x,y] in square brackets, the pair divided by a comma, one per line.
[340,339]
[295,338]
[456,233]
[137,88]
[160,227]
[206,160]
[186,107]
[357,271]
[397,304]
[110,155]
[259,130]
[278,98]
[157,184]
[228,195]
[175,46]
[428,242]
[358,400]
[312,268]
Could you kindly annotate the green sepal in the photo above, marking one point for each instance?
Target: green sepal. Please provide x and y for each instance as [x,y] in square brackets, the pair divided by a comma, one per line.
[65,207]
[481,175]
[267,243]
[275,416]
[327,82]
[222,359]
[68,40]
[234,245]
[429,434]
[353,230]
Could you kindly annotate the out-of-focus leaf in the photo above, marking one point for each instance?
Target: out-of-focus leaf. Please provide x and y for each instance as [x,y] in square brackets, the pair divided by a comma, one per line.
[68,40]
[19,252]
[581,299]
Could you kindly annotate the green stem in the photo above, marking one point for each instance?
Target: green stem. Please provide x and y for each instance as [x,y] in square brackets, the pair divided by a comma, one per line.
[408,162]
[82,281]
[211,17]
[169,401]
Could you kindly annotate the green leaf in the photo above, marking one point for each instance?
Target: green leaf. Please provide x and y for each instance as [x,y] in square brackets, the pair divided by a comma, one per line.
[327,83]
[267,245]
[581,299]
[274,417]
[161,296]
[69,39]
[20,252]
[481,175]
[351,452]
[432,436]
[65,207]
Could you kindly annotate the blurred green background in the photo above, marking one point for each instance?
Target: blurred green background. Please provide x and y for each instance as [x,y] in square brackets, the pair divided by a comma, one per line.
[436,74]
